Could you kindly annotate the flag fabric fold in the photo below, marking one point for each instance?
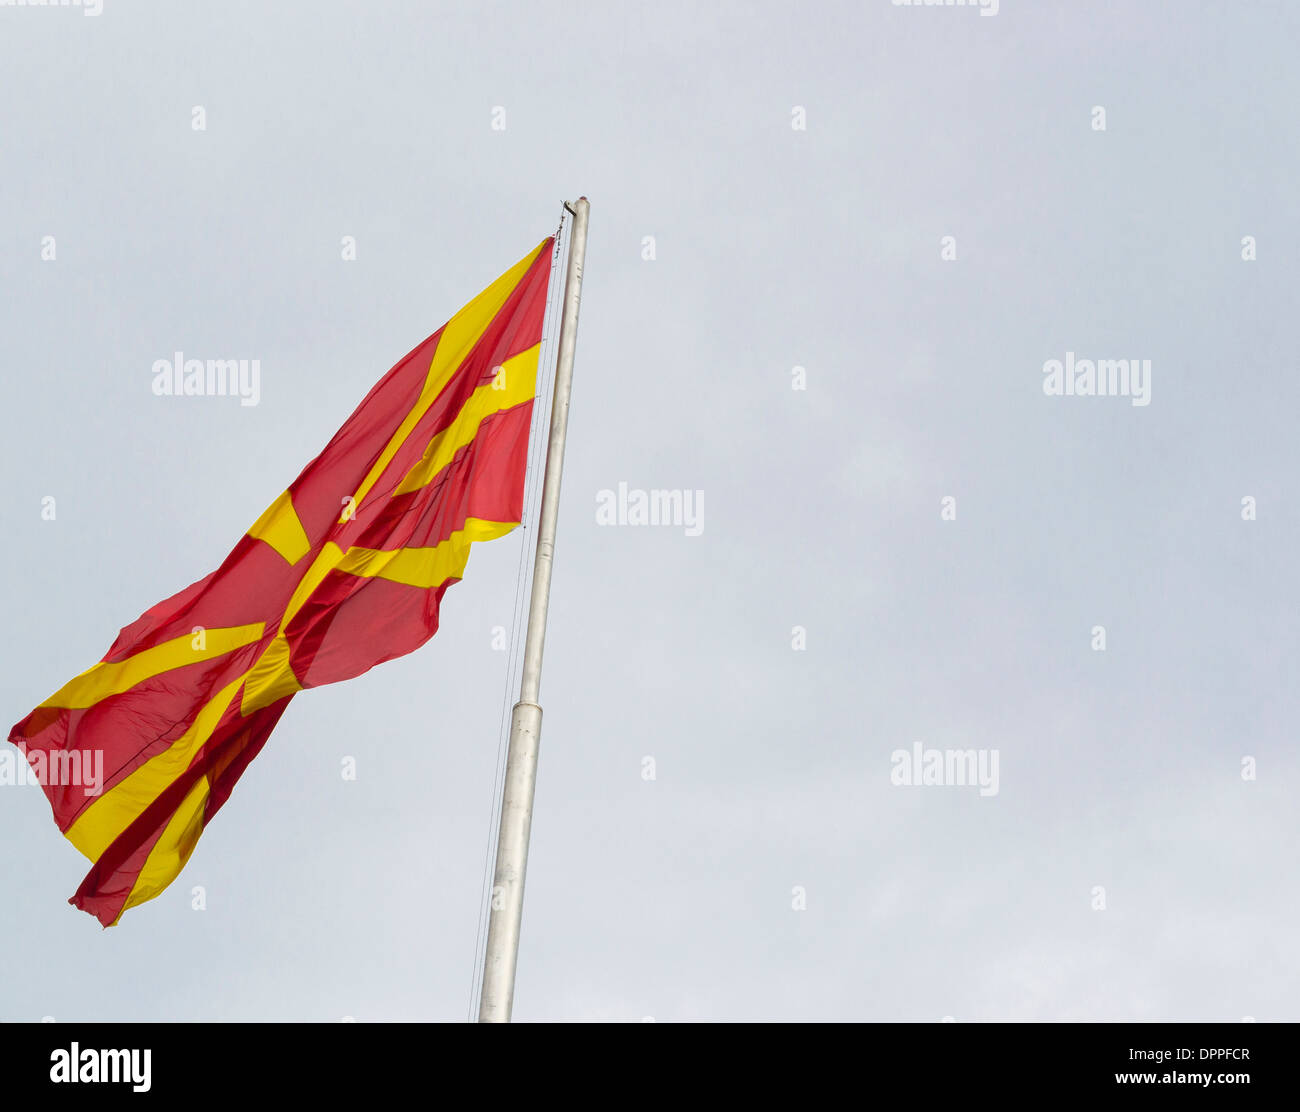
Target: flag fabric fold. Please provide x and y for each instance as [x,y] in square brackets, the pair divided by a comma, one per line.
[344,570]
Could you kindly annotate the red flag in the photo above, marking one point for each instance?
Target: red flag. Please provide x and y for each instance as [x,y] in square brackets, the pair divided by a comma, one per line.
[344,570]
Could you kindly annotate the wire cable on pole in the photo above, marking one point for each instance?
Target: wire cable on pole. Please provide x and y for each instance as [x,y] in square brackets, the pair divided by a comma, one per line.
[537,444]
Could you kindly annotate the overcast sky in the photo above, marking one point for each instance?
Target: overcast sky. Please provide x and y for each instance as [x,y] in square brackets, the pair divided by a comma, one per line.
[1126,867]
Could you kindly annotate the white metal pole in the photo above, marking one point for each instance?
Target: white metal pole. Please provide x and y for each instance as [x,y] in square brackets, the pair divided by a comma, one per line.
[496,997]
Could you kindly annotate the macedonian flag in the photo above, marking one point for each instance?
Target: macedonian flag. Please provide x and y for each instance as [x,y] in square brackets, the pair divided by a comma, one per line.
[344,570]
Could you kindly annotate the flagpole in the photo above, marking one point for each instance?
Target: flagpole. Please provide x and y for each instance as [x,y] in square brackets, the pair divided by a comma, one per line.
[496,997]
